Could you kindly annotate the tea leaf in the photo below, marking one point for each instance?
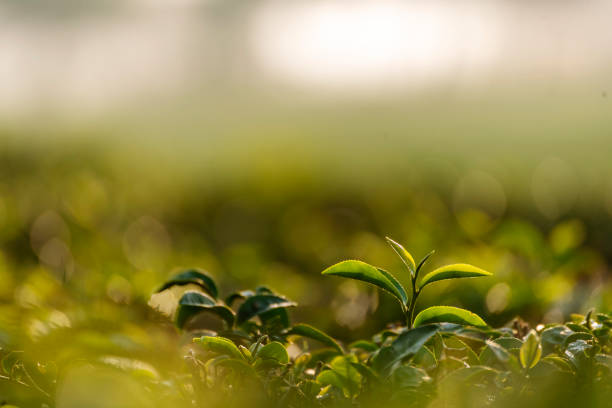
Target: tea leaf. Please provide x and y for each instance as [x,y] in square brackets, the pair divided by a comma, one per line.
[219,345]
[194,276]
[193,303]
[273,351]
[405,345]
[404,255]
[310,332]
[454,271]
[259,304]
[448,314]
[531,351]
[367,273]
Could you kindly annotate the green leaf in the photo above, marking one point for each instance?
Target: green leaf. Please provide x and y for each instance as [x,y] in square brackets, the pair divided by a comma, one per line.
[342,375]
[405,345]
[239,366]
[531,351]
[449,314]
[367,273]
[260,304]
[363,345]
[330,377]
[454,271]
[193,303]
[194,276]
[409,377]
[310,332]
[273,351]
[219,345]
[404,255]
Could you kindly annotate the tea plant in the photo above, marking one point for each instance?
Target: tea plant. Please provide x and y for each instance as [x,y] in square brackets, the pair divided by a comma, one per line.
[444,357]
[377,276]
[243,350]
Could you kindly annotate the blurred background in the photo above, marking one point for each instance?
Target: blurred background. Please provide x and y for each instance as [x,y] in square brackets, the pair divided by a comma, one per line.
[265,140]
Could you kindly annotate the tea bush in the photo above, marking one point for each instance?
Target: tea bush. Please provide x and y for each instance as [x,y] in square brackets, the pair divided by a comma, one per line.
[245,351]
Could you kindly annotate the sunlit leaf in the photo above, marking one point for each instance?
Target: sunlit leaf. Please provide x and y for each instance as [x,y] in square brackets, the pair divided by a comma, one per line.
[364,272]
[449,314]
[453,272]
[403,254]
[531,351]
[310,332]
[219,345]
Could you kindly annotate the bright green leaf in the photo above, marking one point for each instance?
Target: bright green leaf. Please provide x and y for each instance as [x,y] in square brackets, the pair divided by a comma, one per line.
[531,351]
[403,254]
[219,345]
[315,334]
[449,314]
[367,273]
[453,272]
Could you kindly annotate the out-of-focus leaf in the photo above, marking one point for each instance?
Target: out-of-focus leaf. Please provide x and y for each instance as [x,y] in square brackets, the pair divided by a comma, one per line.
[194,276]
[407,259]
[238,365]
[454,271]
[409,377]
[310,332]
[363,345]
[437,314]
[367,273]
[219,345]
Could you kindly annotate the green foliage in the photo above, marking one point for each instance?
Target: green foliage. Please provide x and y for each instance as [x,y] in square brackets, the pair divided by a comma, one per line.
[445,356]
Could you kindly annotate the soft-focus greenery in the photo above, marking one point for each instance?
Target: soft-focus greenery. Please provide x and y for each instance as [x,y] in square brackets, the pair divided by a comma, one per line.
[88,232]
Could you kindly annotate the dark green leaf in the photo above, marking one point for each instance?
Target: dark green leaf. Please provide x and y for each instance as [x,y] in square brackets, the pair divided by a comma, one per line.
[194,276]
[405,345]
[259,304]
[193,303]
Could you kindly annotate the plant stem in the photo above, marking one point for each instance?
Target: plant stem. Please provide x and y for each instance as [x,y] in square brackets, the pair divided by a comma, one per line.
[413,299]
